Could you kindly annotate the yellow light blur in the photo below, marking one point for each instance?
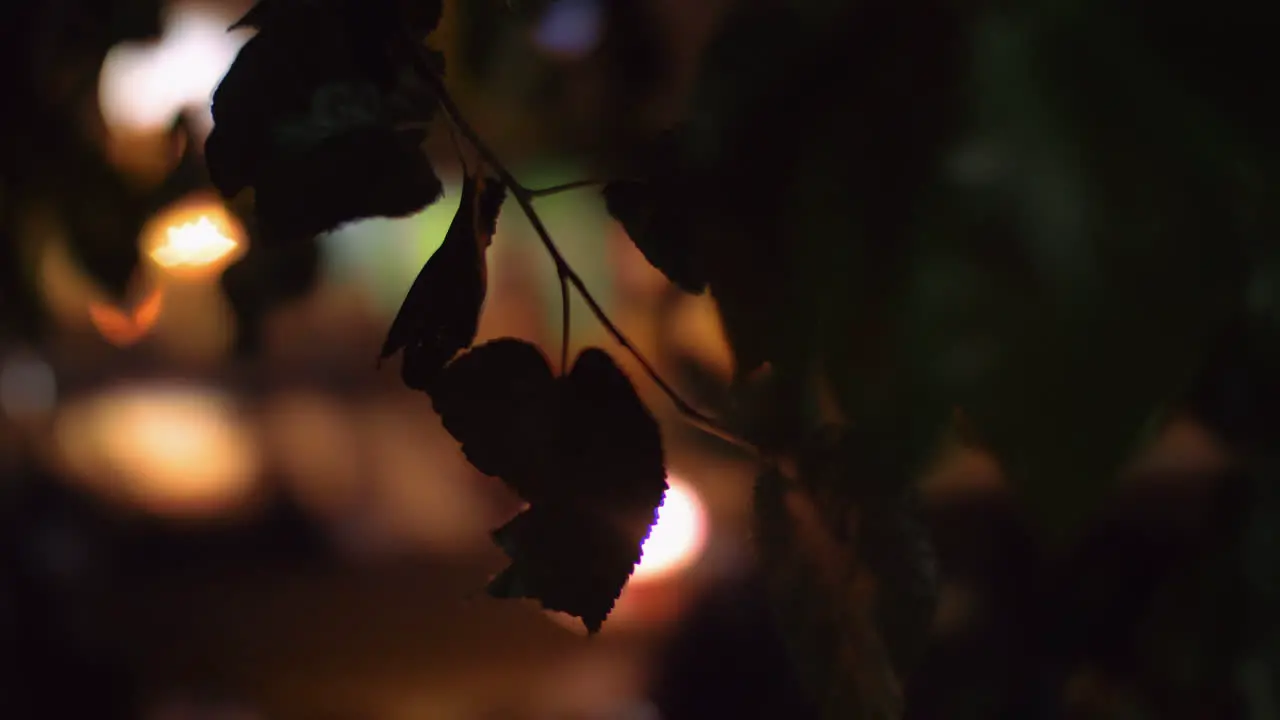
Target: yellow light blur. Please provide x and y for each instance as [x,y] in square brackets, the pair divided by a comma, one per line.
[195,237]
[169,449]
[196,243]
[678,538]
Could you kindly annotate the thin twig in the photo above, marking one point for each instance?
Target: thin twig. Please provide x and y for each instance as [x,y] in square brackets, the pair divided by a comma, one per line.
[457,148]
[564,322]
[565,187]
[524,198]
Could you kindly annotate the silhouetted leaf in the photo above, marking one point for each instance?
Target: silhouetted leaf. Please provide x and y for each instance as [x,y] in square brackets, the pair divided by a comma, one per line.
[610,433]
[381,173]
[657,212]
[569,560]
[440,314]
[581,449]
[322,114]
[372,17]
[705,225]
[501,401]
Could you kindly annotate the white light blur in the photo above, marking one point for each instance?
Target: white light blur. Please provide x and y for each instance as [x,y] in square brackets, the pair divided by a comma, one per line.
[28,387]
[678,538]
[173,450]
[144,86]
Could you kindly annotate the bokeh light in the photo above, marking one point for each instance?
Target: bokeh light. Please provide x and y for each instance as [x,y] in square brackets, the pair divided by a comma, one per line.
[697,332]
[654,594]
[195,237]
[170,449]
[28,387]
[144,86]
[124,327]
[570,28]
[678,538]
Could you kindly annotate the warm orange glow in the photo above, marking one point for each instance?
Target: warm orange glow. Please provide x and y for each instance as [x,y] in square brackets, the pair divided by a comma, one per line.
[124,328]
[171,449]
[194,237]
[196,243]
[697,332]
[677,539]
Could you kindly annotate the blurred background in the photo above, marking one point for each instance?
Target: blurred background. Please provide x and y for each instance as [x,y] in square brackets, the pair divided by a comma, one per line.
[212,505]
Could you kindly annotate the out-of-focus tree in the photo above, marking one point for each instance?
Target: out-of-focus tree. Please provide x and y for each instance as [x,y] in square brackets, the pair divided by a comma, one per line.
[1040,230]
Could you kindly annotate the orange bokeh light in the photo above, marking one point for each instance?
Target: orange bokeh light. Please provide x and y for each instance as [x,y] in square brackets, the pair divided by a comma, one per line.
[123,328]
[195,237]
[175,450]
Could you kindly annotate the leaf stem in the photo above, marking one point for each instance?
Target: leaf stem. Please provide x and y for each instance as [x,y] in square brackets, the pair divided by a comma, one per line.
[565,187]
[524,197]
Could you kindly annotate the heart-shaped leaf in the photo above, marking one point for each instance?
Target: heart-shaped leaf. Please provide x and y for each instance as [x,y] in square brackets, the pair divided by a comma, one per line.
[581,449]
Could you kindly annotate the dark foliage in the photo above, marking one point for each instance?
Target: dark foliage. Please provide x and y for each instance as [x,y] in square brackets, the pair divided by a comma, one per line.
[727,659]
[311,115]
[331,137]
[849,570]
[322,115]
[658,213]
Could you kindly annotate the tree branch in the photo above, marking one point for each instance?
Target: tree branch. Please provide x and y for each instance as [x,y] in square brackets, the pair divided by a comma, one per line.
[524,197]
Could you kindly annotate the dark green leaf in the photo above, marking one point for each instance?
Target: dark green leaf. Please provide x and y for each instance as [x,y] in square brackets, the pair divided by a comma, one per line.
[441,312]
